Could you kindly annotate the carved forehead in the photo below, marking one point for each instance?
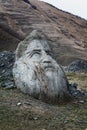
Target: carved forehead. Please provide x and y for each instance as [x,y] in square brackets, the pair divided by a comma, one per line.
[33,41]
[38,44]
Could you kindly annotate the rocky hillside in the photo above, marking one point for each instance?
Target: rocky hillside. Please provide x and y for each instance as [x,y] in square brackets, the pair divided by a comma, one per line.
[67,33]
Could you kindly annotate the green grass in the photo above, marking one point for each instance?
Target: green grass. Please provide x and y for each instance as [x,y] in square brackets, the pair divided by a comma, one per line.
[79,78]
[33,114]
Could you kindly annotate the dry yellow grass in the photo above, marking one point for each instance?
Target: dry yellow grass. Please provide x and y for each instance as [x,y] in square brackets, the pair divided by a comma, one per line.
[32,114]
[79,78]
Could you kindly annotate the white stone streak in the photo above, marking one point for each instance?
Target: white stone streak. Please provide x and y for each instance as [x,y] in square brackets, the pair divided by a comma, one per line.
[36,72]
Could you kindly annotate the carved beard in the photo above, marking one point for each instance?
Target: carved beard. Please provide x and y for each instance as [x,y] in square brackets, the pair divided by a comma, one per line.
[45,84]
[50,83]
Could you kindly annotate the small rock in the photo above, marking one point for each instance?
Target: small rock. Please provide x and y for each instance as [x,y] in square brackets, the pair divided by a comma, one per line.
[19,103]
[35,118]
[76,66]
[8,84]
[81,101]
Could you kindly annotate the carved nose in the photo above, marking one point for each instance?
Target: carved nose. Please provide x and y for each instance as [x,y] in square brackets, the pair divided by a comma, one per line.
[47,59]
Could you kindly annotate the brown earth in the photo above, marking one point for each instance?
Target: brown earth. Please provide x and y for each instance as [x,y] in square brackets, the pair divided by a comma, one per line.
[67,33]
[68,38]
[22,112]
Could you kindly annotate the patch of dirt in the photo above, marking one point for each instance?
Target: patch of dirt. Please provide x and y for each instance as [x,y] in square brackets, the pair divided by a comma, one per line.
[20,111]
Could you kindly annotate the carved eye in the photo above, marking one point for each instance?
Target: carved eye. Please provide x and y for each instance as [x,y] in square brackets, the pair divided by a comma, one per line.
[35,53]
[49,53]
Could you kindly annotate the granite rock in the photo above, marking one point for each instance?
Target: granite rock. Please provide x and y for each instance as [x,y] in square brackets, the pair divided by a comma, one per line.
[7,59]
[37,73]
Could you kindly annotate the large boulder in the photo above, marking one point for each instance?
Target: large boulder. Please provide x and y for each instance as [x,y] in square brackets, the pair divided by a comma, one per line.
[77,66]
[7,59]
[37,73]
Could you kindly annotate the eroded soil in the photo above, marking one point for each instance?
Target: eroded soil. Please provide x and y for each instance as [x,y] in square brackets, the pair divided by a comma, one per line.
[22,112]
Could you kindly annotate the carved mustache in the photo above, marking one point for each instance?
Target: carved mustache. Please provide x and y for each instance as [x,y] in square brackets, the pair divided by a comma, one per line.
[48,65]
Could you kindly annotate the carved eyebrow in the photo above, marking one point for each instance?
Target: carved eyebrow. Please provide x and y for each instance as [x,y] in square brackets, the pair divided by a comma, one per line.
[34,51]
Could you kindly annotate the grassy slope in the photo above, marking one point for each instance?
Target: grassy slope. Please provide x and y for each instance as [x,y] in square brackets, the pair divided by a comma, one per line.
[35,115]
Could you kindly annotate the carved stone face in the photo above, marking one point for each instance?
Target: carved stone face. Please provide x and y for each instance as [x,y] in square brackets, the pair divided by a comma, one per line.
[40,54]
[38,74]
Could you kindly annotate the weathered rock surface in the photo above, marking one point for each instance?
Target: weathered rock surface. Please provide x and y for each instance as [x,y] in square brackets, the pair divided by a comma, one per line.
[6,64]
[6,77]
[77,66]
[67,33]
[76,92]
[37,73]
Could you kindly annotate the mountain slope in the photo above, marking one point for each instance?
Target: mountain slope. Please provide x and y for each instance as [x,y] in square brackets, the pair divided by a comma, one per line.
[67,33]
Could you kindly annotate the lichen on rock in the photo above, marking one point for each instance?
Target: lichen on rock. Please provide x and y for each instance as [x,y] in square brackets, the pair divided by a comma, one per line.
[37,73]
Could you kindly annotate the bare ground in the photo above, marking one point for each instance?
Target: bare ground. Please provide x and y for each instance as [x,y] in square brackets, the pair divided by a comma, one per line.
[22,112]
